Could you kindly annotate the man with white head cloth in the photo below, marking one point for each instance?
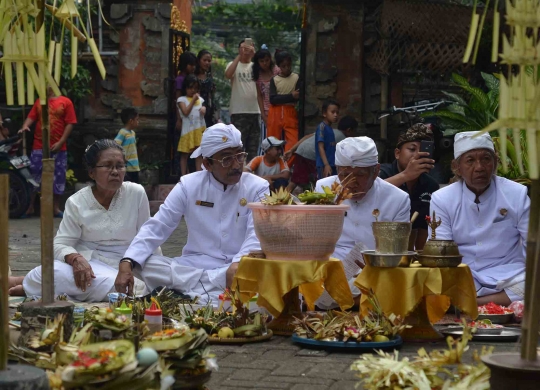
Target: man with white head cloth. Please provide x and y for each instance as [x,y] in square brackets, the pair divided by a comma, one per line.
[488,217]
[357,159]
[213,203]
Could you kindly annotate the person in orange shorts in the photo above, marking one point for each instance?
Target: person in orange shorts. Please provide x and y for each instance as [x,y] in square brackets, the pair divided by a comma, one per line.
[284,93]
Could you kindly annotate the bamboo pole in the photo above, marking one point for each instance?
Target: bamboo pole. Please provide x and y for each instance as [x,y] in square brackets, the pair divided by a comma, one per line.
[4,270]
[47,179]
[47,228]
[531,315]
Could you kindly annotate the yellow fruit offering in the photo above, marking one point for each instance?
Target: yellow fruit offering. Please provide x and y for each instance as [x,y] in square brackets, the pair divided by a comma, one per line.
[226,333]
[380,338]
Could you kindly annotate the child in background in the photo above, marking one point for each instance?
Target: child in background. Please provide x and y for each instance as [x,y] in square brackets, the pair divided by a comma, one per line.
[191,109]
[301,157]
[186,66]
[325,140]
[263,71]
[126,139]
[284,93]
[271,165]
[203,71]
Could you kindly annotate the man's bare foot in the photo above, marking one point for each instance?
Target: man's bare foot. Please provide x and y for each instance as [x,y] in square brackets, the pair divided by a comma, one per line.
[17,291]
[14,281]
[30,212]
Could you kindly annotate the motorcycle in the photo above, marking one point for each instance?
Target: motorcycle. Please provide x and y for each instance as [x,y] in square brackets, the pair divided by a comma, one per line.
[21,183]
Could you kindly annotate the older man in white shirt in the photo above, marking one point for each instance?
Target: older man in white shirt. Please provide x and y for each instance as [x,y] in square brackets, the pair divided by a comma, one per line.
[357,160]
[488,217]
[220,226]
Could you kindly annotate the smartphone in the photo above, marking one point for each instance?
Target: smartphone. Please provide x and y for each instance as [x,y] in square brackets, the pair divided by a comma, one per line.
[248,41]
[427,146]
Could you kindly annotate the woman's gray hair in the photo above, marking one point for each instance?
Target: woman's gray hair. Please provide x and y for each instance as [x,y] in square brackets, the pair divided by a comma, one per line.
[93,152]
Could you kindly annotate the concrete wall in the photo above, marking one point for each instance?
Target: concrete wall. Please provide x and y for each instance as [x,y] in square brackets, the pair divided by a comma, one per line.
[334,59]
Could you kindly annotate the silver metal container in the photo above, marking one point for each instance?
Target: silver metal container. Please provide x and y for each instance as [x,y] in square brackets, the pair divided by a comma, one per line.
[375,259]
[391,237]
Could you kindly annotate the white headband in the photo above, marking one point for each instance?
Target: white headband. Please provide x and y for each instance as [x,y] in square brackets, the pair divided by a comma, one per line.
[356,152]
[465,141]
[217,138]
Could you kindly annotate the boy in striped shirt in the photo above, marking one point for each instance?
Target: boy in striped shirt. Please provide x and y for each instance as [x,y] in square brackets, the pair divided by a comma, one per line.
[126,139]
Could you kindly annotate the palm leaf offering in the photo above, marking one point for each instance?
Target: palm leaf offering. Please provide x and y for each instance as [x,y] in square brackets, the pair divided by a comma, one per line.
[22,38]
[223,324]
[333,195]
[436,370]
[343,326]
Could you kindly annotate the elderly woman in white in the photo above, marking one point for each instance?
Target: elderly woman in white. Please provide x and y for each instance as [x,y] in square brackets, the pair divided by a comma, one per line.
[99,223]
[488,217]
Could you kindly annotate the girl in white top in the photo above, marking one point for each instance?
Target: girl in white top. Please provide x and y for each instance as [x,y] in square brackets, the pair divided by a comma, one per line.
[99,223]
[192,111]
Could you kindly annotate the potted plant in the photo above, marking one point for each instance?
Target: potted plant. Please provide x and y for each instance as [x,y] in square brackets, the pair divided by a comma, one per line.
[303,228]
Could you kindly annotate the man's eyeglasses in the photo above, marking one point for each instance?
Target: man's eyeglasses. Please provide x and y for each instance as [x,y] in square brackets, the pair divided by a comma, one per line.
[110,168]
[226,162]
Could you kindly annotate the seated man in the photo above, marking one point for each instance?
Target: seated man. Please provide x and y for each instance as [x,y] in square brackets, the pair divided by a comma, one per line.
[488,217]
[220,225]
[358,157]
[409,172]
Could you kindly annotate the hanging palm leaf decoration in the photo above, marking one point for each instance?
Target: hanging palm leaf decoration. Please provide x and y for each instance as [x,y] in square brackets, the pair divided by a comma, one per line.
[24,47]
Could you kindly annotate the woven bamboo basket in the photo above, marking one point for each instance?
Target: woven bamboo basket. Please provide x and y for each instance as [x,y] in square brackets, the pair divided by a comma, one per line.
[305,232]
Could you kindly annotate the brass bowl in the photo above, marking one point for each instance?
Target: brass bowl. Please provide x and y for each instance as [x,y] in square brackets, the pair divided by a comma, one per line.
[439,261]
[440,248]
[375,259]
[391,237]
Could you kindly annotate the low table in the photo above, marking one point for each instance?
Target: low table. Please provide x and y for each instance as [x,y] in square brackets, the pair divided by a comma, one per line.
[279,283]
[421,295]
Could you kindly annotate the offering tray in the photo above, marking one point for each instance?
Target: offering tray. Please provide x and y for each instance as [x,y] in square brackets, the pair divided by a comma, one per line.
[241,340]
[376,259]
[349,345]
[499,319]
[507,334]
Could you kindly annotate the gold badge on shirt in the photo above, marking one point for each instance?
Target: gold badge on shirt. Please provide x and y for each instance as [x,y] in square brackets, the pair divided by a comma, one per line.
[243,202]
[503,212]
[224,139]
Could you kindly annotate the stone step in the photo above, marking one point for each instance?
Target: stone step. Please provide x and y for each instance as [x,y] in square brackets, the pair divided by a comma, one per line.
[154,206]
[163,191]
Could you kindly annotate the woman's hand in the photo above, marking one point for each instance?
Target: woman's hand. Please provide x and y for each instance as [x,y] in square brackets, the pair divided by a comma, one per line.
[82,272]
[124,280]
[287,155]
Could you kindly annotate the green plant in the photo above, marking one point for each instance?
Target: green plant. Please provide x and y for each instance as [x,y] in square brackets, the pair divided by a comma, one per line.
[70,178]
[473,111]
[476,110]
[151,166]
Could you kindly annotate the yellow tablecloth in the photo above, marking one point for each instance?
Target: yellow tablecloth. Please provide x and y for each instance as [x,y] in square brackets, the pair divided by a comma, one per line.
[272,279]
[400,290]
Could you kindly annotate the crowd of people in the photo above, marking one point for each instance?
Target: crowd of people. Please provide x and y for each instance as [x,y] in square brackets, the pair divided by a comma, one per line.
[103,246]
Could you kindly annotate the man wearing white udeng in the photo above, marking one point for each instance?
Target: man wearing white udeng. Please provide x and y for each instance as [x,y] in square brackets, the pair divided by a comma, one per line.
[488,217]
[220,225]
[357,160]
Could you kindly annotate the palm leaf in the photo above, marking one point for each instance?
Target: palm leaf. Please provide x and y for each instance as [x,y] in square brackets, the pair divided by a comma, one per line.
[479,99]
[458,109]
[491,81]
[446,114]
[455,98]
